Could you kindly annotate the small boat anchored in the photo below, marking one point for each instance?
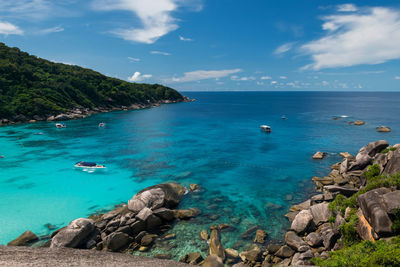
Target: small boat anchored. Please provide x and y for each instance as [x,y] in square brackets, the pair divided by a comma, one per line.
[284,117]
[60,125]
[265,128]
[101,124]
[88,165]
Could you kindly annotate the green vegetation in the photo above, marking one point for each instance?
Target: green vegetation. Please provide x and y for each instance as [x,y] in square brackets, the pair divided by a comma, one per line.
[33,86]
[386,150]
[366,253]
[374,180]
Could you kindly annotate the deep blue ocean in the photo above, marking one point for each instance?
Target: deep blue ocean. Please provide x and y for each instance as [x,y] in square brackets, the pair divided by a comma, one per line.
[248,177]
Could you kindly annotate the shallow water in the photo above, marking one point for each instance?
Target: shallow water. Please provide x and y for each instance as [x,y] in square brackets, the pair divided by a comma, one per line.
[249,177]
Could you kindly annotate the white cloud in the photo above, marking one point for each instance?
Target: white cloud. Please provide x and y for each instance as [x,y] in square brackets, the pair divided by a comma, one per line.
[160,53]
[134,59]
[36,10]
[155,16]
[51,30]
[7,28]
[137,77]
[266,78]
[347,8]
[237,78]
[397,77]
[204,75]
[185,39]
[283,48]
[368,37]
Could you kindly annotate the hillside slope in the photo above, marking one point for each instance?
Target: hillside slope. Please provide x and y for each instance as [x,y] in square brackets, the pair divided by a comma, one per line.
[32,86]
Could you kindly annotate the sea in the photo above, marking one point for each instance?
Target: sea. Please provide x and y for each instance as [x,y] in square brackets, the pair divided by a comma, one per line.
[248,178]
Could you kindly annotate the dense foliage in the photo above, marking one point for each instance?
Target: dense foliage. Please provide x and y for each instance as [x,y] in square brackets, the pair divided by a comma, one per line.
[33,86]
[365,253]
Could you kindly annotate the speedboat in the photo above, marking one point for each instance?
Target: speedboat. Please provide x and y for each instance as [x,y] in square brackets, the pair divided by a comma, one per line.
[102,124]
[284,117]
[88,165]
[265,128]
[60,125]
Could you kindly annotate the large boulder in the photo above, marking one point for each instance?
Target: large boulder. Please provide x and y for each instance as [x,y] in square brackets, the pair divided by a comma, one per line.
[392,201]
[116,241]
[285,252]
[374,210]
[344,190]
[320,213]
[74,235]
[163,195]
[24,239]
[302,222]
[294,241]
[313,239]
[364,229]
[374,147]
[215,246]
[383,129]
[151,199]
[366,153]
[393,164]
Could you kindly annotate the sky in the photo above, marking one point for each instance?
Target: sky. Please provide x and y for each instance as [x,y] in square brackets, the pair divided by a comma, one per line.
[217,45]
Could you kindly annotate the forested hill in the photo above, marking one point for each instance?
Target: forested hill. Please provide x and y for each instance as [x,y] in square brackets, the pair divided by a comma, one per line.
[33,86]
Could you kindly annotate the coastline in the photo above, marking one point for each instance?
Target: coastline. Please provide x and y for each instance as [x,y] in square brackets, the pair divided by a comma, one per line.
[149,217]
[80,112]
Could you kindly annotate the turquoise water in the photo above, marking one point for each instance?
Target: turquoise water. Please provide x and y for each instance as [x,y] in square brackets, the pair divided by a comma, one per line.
[249,178]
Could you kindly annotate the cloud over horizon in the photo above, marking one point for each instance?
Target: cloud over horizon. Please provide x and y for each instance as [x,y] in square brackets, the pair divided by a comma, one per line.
[368,37]
[203,75]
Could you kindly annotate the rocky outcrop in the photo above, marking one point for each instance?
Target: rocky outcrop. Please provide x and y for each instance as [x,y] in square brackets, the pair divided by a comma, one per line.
[320,213]
[383,129]
[302,222]
[359,122]
[319,155]
[393,162]
[215,247]
[74,235]
[24,239]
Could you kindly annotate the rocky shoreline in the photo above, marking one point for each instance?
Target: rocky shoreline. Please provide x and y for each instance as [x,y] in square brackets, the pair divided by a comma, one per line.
[316,227]
[81,112]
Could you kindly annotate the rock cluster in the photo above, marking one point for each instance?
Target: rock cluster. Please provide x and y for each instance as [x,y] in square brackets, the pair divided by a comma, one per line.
[313,233]
[81,112]
[131,226]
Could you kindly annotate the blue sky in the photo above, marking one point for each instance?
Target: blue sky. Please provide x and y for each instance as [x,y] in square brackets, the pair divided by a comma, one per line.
[217,45]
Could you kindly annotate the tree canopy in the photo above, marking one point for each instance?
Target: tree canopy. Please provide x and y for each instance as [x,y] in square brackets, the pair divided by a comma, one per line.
[33,86]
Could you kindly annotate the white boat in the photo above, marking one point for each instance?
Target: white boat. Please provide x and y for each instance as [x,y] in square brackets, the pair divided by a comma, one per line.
[265,128]
[60,125]
[284,117]
[88,165]
[102,124]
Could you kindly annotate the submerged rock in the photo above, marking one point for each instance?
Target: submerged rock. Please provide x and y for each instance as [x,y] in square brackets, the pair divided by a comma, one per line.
[261,235]
[24,239]
[319,155]
[383,129]
[215,246]
[204,235]
[359,122]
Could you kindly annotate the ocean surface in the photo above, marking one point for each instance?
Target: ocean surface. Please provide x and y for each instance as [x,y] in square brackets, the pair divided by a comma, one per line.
[248,177]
